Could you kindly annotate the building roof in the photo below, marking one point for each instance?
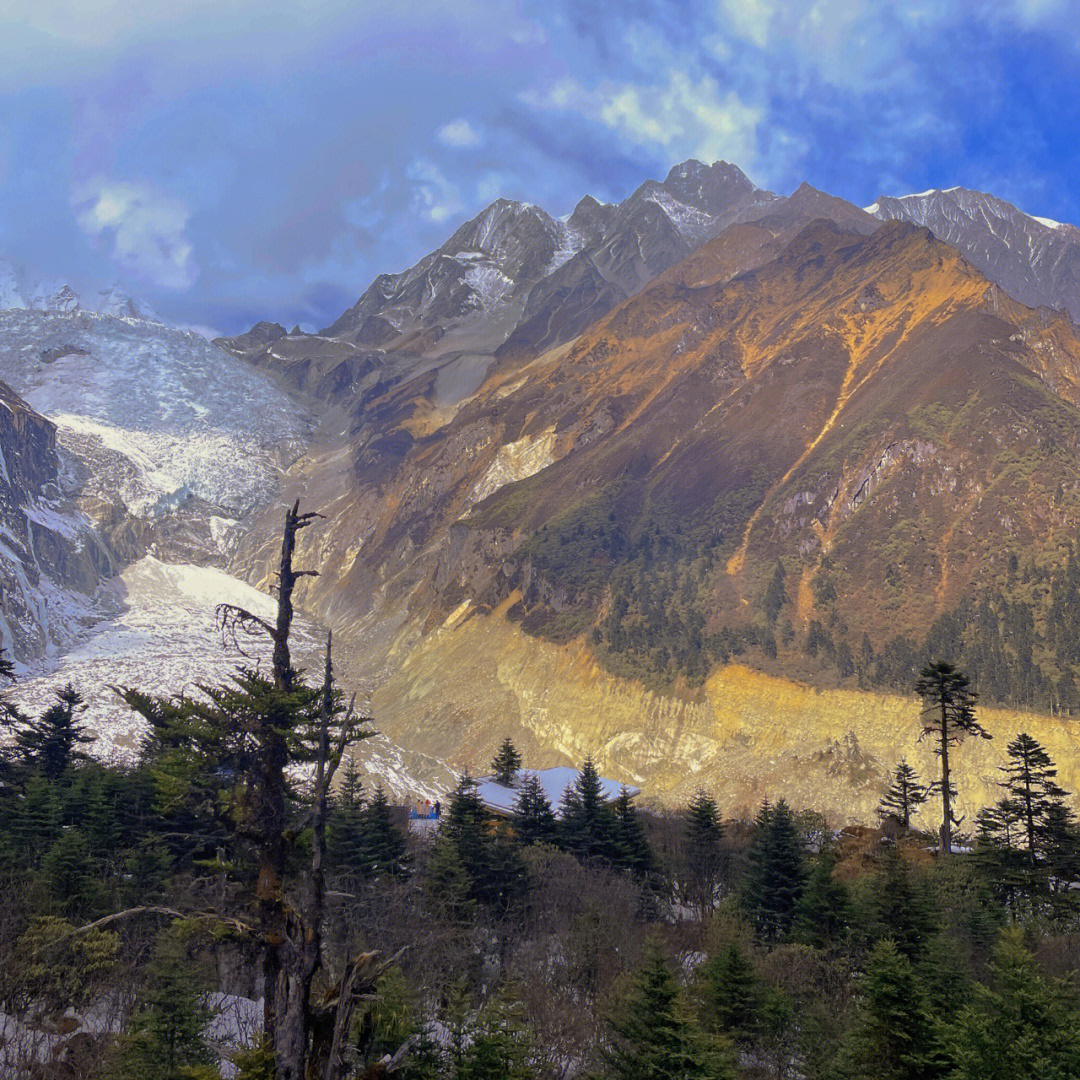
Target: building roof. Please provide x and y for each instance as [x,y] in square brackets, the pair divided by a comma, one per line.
[501,799]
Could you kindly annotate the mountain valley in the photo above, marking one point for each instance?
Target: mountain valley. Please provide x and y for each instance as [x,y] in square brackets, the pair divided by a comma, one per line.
[692,482]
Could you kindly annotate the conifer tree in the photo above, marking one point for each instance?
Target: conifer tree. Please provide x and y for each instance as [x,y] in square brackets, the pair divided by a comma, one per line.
[164,1038]
[656,1035]
[948,715]
[1019,1025]
[505,764]
[732,996]
[382,845]
[226,756]
[1032,790]
[905,796]
[587,821]
[821,915]
[534,820]
[346,822]
[893,1037]
[490,860]
[896,905]
[631,848]
[50,746]
[703,834]
[775,873]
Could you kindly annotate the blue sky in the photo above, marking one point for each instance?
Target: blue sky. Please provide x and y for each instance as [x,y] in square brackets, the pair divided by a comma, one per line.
[233,160]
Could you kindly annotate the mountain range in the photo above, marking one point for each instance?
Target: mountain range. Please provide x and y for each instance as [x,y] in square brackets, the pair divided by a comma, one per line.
[692,482]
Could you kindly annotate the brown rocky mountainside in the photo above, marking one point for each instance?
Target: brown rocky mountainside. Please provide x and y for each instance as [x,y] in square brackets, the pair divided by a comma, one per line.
[812,450]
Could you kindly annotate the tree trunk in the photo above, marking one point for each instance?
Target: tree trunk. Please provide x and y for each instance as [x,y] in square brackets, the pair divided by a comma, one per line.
[946,798]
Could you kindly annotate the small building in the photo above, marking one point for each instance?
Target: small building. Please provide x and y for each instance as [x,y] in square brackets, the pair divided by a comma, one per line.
[500,799]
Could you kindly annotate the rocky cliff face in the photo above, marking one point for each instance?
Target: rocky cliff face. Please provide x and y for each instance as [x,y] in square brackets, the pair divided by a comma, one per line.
[51,561]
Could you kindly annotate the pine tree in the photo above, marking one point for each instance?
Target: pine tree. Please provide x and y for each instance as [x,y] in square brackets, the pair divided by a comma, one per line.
[732,996]
[631,848]
[505,764]
[821,915]
[892,1038]
[534,820]
[50,746]
[905,796]
[1020,1025]
[1032,790]
[656,1036]
[164,1038]
[345,832]
[703,834]
[587,821]
[896,905]
[490,860]
[500,1046]
[382,846]
[775,873]
[948,715]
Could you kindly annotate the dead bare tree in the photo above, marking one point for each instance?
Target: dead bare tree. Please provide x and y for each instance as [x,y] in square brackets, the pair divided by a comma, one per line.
[277,724]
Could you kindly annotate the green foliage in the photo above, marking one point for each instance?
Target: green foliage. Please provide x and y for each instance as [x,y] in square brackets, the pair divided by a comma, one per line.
[905,796]
[703,833]
[775,873]
[164,1037]
[50,746]
[60,967]
[505,764]
[733,1000]
[1020,1024]
[892,1037]
[657,1035]
[258,1062]
[821,915]
[383,851]
[587,827]
[534,819]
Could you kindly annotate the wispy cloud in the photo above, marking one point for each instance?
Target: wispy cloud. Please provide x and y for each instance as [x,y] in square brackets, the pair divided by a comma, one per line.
[681,116]
[459,133]
[143,228]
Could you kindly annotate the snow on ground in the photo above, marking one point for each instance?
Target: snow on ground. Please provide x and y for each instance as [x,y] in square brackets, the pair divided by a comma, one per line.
[163,638]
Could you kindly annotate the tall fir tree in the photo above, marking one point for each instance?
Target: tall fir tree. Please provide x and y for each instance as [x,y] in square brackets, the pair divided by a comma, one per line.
[656,1036]
[775,873]
[505,764]
[587,820]
[905,796]
[1031,790]
[702,851]
[893,1037]
[631,847]
[534,819]
[50,745]
[383,850]
[1019,1024]
[732,997]
[164,1038]
[948,716]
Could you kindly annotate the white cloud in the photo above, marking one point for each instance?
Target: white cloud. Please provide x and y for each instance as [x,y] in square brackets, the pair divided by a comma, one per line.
[459,133]
[434,197]
[750,19]
[145,228]
[687,118]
